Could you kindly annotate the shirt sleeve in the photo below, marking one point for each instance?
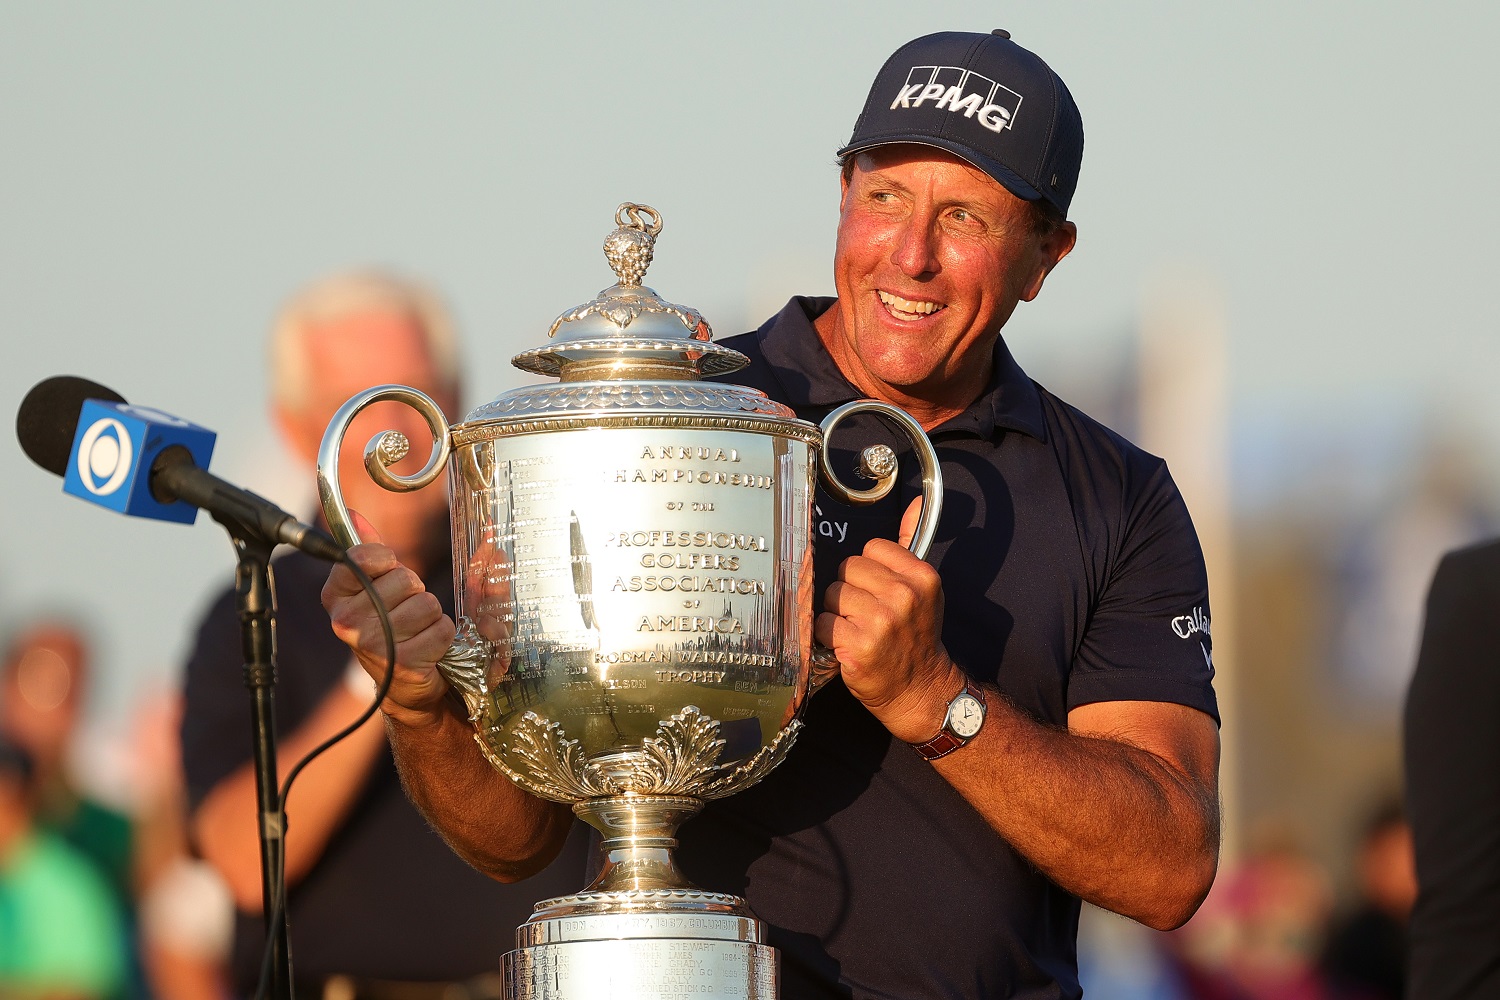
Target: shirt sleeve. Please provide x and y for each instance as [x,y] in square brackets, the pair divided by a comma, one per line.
[1149,634]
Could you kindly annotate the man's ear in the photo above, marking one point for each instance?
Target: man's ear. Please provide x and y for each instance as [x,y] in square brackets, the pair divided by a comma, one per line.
[1051,250]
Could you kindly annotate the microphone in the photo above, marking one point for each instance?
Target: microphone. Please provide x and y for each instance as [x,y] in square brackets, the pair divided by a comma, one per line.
[145,463]
[48,418]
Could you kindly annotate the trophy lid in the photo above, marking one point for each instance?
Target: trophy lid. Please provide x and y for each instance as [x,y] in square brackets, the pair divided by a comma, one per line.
[627,331]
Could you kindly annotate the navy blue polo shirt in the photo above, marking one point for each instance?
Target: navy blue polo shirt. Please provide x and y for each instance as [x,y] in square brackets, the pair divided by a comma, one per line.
[1071,574]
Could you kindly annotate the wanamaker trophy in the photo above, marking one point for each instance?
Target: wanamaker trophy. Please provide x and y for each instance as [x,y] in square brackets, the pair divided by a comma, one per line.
[634,592]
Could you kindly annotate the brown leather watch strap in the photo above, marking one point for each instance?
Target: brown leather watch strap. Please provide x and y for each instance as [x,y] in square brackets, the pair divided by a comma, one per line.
[947,741]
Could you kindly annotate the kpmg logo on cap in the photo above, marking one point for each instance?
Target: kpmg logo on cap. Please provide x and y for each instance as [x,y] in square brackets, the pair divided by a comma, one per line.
[954,88]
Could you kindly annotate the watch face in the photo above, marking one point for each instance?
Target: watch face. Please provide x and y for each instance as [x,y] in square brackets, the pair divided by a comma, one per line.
[965,716]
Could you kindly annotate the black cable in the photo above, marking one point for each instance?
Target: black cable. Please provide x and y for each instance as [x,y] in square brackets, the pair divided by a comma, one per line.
[278,885]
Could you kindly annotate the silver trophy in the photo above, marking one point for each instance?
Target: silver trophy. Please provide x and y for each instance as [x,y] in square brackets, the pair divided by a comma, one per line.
[633,577]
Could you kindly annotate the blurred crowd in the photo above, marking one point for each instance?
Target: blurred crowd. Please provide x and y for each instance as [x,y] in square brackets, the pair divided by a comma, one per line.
[96,900]
[114,900]
[1272,928]
[157,893]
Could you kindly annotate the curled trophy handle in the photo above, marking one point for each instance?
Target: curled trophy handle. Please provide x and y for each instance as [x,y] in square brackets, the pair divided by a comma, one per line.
[463,664]
[878,462]
[384,450]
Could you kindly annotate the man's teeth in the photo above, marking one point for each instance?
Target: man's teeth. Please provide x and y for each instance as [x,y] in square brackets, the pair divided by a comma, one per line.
[897,304]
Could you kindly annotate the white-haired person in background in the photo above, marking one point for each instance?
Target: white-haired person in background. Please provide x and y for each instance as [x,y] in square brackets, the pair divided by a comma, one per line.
[379,906]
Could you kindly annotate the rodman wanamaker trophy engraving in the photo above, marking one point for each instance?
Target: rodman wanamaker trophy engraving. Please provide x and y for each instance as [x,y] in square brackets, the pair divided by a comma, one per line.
[634,584]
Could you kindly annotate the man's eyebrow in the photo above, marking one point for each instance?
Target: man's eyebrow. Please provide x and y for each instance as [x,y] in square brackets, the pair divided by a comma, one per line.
[882,179]
[878,178]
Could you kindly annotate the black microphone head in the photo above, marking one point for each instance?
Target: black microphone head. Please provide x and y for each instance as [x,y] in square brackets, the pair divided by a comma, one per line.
[48,418]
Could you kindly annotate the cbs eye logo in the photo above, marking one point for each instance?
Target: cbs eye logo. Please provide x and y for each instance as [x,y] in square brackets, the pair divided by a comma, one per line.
[104,455]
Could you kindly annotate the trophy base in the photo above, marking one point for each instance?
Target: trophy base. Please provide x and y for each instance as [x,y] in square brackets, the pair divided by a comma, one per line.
[642,945]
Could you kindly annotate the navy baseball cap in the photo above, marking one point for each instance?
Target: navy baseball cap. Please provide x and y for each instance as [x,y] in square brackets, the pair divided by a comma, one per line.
[983,98]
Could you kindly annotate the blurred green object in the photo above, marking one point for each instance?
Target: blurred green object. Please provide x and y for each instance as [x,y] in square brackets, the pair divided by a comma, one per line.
[60,926]
[100,833]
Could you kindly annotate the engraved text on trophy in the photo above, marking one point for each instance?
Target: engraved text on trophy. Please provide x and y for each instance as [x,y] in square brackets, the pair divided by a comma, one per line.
[605,583]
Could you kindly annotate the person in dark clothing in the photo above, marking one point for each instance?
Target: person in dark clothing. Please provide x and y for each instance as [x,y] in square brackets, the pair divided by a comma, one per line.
[895,853]
[1452,758]
[1365,956]
[364,923]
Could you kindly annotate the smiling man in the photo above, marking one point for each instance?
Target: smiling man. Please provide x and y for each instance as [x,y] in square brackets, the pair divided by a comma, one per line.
[1017,725]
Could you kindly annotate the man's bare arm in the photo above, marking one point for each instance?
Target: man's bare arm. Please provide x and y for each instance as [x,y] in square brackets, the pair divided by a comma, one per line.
[225,825]
[1121,808]
[486,818]
[499,829]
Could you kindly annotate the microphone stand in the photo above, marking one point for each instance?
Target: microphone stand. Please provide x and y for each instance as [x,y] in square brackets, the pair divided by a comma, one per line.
[255,602]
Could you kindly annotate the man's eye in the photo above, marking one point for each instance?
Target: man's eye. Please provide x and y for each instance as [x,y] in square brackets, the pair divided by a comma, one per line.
[960,215]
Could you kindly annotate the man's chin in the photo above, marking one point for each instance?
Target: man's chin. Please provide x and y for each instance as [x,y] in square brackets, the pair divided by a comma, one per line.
[905,375]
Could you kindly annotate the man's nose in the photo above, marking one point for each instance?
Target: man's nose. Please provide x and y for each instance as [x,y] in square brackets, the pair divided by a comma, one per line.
[916,248]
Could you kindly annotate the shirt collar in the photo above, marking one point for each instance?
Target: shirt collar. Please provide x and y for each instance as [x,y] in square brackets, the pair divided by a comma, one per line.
[807,372]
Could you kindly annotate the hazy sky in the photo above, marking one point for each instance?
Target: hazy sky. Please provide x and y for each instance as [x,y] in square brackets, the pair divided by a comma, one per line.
[171,172]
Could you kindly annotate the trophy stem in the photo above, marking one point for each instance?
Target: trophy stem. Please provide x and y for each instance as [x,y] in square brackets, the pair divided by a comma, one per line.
[641,931]
[639,834]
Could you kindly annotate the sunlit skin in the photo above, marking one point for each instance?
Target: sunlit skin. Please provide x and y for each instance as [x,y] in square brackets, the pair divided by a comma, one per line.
[922,227]
[41,693]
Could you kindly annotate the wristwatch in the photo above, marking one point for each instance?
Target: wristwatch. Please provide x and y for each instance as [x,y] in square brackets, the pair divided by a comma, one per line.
[961,724]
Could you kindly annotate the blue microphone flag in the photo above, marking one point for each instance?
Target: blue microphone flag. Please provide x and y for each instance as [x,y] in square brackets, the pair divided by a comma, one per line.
[113,449]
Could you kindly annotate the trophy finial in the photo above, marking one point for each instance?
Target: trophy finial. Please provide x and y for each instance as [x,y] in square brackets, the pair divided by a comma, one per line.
[627,332]
[630,247]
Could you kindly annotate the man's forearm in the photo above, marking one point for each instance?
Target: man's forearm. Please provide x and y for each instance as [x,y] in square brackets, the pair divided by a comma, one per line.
[1121,808]
[1125,827]
[491,823]
[226,825]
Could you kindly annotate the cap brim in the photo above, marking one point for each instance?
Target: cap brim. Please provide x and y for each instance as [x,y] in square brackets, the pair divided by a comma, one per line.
[1007,177]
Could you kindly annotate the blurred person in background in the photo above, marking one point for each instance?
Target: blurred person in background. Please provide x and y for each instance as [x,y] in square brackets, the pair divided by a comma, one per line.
[1452,758]
[1259,933]
[379,906]
[1365,958]
[43,691]
[62,936]
[43,683]
[185,917]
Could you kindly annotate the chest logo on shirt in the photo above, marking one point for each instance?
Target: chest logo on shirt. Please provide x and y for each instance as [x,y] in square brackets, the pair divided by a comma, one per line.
[837,530]
[1187,626]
